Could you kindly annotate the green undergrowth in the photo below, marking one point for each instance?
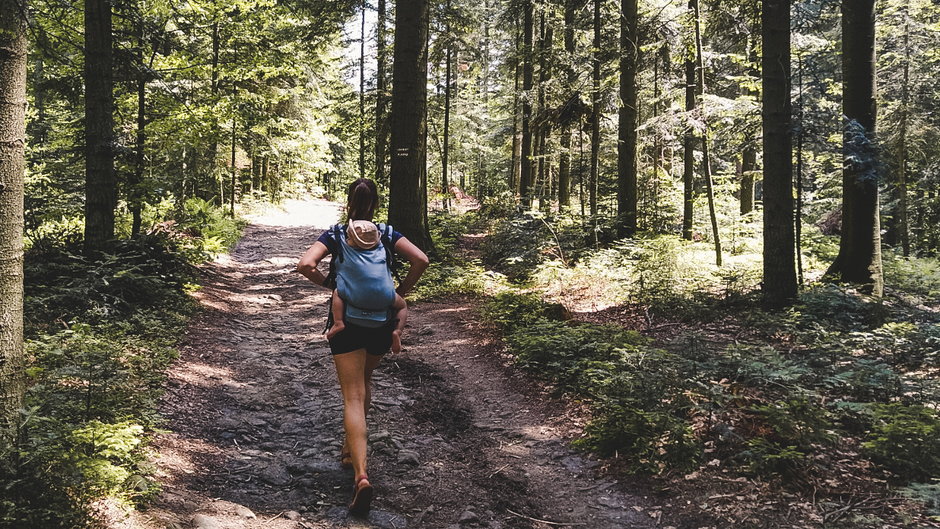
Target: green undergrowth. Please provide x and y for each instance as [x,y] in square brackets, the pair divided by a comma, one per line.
[558,256]
[451,272]
[848,382]
[635,389]
[101,330]
[840,387]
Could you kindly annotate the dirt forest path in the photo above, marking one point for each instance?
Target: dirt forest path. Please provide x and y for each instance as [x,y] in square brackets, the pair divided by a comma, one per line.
[457,440]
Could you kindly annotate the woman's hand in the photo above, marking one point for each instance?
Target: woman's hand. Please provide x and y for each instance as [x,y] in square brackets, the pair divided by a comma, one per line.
[396,341]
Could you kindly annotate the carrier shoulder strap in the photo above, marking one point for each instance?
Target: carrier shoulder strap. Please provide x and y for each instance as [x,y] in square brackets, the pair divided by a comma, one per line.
[337,231]
[389,250]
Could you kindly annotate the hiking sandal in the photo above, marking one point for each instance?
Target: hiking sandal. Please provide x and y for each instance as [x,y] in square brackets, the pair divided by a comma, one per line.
[362,498]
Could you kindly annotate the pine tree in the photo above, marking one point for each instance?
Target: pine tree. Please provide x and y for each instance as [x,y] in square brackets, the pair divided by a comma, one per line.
[407,206]
[100,177]
[779,285]
[629,116]
[859,258]
[12,144]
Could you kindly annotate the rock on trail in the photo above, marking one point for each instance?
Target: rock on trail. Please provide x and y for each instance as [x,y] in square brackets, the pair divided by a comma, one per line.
[254,415]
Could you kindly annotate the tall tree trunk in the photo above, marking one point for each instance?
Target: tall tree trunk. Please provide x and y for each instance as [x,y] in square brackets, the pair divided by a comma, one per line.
[134,191]
[706,160]
[515,170]
[539,133]
[12,144]
[595,112]
[746,191]
[902,143]
[779,285]
[525,177]
[381,97]
[255,166]
[688,155]
[100,178]
[546,33]
[455,102]
[798,216]
[564,162]
[659,150]
[39,91]
[445,150]
[749,154]
[581,197]
[859,258]
[214,88]
[481,179]
[234,138]
[265,178]
[627,144]
[362,94]
[407,207]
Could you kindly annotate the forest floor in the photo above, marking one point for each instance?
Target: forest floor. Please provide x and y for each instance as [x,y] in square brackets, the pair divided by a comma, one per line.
[458,438]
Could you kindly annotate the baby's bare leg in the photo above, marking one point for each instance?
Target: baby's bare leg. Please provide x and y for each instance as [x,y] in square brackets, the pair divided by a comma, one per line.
[401,312]
[337,307]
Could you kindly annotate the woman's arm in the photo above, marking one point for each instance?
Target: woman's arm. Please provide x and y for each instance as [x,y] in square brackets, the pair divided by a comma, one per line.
[311,258]
[419,263]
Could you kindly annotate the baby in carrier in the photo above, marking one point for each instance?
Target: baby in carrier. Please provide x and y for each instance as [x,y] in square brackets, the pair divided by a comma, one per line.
[365,293]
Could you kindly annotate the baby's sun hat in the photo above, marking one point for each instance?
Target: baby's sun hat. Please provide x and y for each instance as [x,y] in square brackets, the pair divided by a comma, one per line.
[362,234]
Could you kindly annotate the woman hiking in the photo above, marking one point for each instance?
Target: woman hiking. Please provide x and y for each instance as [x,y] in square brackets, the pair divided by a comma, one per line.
[370,312]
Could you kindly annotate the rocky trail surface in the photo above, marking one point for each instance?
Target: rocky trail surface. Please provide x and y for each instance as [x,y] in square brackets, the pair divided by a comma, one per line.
[457,439]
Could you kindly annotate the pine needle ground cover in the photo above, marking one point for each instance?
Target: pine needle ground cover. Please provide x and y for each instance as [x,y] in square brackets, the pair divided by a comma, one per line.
[825,412]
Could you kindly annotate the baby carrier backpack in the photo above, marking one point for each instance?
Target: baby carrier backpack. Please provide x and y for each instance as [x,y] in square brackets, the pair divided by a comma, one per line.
[363,278]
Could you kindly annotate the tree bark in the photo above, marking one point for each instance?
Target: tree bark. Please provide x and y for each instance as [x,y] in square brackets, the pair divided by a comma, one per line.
[779,285]
[688,155]
[234,177]
[407,208]
[859,258]
[445,150]
[100,178]
[798,214]
[904,225]
[628,116]
[214,87]
[595,112]
[134,192]
[12,145]
[515,170]
[381,97]
[749,154]
[564,162]
[362,94]
[547,33]
[525,177]
[659,150]
[746,190]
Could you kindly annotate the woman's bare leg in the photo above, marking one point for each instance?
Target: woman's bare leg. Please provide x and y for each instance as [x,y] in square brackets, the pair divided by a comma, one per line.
[354,370]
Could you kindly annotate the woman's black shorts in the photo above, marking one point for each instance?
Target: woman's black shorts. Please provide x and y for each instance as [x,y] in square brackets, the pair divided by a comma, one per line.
[375,340]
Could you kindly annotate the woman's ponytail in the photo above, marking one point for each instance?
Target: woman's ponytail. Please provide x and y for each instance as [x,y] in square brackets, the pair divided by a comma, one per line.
[363,199]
